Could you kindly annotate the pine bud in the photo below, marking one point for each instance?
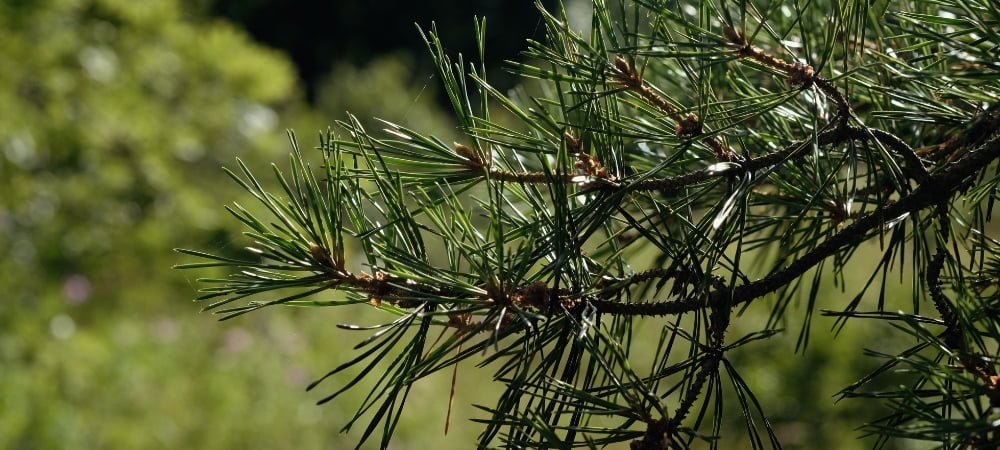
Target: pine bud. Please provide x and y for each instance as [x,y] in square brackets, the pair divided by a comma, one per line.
[574,144]
[801,74]
[735,36]
[468,153]
[320,255]
[622,65]
[690,125]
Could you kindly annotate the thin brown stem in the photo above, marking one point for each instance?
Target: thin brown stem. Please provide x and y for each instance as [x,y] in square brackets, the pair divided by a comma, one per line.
[688,125]
[953,336]
[913,168]
[936,188]
[719,320]
[798,74]
[631,79]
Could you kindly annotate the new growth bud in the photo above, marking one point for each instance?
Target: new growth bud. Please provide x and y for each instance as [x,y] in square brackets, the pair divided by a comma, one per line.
[690,125]
[735,36]
[801,74]
[469,154]
[622,65]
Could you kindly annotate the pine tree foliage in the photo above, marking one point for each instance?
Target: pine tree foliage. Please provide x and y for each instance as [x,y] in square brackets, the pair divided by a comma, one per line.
[753,146]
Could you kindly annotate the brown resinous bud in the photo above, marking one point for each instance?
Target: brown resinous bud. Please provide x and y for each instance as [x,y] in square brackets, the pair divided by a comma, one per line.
[801,74]
[321,255]
[735,36]
[470,155]
[690,125]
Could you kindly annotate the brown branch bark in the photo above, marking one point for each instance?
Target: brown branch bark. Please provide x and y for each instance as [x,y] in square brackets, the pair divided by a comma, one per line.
[936,188]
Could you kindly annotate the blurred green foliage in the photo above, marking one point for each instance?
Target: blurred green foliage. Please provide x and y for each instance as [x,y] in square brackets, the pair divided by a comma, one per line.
[116,116]
[384,89]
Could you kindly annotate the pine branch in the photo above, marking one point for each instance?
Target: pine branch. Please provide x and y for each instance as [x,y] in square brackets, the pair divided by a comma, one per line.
[936,188]
[521,244]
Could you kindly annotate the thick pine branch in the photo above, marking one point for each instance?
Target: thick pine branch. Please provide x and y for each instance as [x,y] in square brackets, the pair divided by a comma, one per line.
[930,193]
[527,283]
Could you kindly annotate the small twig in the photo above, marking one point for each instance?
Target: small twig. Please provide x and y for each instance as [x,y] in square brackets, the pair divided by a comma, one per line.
[631,79]
[659,433]
[953,335]
[799,74]
[718,325]
[687,125]
[475,163]
[913,167]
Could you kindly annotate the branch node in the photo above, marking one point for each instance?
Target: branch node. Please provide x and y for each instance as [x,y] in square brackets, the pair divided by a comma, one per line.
[534,295]
[735,36]
[689,125]
[801,75]
[657,437]
[322,256]
[473,159]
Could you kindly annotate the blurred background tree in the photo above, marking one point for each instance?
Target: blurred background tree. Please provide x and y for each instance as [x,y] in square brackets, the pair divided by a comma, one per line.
[116,116]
